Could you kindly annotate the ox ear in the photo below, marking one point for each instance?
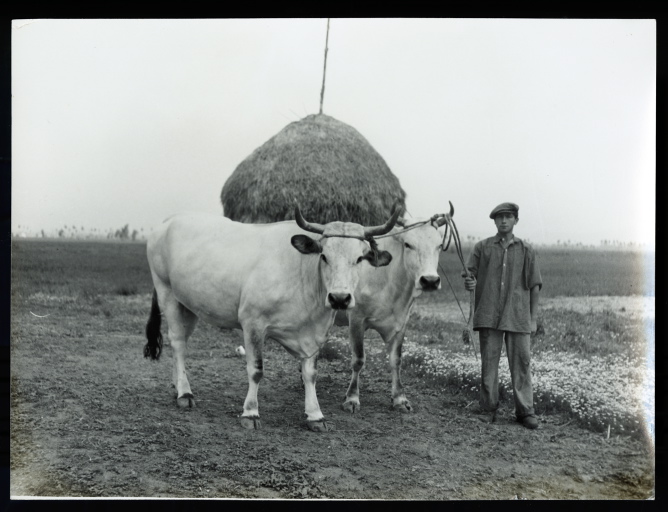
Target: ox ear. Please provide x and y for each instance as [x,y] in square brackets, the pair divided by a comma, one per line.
[306,244]
[378,258]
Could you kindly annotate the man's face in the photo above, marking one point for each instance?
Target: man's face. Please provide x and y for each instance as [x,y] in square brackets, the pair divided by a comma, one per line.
[505,222]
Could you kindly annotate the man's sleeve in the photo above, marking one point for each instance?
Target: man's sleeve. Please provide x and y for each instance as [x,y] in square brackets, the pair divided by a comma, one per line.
[474,260]
[532,270]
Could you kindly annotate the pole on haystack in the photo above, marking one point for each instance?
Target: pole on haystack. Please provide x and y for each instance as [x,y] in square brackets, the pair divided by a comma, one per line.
[324,71]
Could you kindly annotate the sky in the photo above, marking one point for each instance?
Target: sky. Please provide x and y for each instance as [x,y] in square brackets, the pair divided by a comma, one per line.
[122,121]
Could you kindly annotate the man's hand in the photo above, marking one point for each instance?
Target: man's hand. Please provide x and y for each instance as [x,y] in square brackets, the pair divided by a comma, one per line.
[469,282]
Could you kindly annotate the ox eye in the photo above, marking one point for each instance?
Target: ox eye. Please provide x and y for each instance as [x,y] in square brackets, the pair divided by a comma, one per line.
[323,258]
[408,246]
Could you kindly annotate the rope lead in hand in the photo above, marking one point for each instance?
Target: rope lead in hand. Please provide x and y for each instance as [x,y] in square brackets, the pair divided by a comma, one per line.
[467,335]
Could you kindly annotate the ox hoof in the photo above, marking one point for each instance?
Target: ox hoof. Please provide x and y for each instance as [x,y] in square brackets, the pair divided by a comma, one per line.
[318,426]
[186,401]
[350,406]
[404,407]
[251,422]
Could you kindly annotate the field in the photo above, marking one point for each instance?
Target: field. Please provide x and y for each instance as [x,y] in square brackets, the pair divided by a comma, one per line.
[91,417]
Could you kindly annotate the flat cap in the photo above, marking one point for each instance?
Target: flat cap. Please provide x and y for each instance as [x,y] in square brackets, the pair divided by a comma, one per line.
[505,207]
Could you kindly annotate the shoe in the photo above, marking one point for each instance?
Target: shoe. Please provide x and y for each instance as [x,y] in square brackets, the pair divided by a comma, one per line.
[529,421]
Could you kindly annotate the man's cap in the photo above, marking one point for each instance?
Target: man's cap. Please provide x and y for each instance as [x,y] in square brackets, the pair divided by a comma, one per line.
[505,207]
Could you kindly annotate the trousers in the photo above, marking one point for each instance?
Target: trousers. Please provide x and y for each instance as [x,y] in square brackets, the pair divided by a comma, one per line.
[518,348]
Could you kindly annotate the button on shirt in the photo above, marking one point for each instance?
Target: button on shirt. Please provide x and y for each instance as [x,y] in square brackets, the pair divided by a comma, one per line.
[505,271]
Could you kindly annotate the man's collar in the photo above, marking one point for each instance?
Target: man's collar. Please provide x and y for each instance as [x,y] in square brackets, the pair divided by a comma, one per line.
[498,238]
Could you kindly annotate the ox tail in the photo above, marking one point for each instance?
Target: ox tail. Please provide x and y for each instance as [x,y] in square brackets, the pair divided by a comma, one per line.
[153,346]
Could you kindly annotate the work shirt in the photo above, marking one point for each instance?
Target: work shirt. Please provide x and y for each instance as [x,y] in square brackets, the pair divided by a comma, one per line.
[505,271]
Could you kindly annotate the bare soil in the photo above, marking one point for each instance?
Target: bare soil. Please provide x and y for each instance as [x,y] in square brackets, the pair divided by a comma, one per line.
[91,417]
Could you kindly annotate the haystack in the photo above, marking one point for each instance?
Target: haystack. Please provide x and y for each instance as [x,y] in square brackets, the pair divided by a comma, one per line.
[327,166]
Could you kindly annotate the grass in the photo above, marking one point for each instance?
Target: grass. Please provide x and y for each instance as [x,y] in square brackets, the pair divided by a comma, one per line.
[601,334]
[592,365]
[79,268]
[572,273]
[99,267]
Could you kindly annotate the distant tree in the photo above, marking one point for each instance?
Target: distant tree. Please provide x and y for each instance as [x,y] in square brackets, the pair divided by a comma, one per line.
[134,235]
[43,234]
[61,233]
[123,233]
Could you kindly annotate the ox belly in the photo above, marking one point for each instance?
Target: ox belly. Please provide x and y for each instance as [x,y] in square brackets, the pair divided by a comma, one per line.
[219,310]
[299,330]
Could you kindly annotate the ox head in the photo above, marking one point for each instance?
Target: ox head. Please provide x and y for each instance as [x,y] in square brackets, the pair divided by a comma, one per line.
[342,248]
[421,248]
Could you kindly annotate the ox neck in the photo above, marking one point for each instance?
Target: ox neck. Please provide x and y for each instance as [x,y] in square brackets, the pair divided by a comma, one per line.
[313,287]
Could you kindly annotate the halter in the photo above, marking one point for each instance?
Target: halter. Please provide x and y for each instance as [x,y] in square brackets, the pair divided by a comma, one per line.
[344,236]
[370,239]
[432,220]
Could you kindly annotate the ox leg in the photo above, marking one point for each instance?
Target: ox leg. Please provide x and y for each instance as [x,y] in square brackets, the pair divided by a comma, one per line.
[250,418]
[356,338]
[181,323]
[314,417]
[399,400]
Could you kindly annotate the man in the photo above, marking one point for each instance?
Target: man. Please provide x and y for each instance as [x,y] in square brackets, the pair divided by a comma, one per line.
[506,279]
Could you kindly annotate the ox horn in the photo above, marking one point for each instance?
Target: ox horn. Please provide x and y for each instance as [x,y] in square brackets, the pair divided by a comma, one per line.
[307,226]
[387,227]
[444,217]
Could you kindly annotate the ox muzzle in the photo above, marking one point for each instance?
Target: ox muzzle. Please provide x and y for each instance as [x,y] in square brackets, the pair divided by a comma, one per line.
[340,300]
[429,283]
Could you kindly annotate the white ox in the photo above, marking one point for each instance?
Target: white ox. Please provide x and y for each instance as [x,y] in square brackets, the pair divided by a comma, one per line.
[385,298]
[270,280]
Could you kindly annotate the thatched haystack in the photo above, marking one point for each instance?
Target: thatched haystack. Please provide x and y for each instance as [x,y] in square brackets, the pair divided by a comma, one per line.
[323,164]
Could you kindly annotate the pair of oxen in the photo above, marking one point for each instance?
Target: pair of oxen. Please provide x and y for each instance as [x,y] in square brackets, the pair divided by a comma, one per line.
[274,281]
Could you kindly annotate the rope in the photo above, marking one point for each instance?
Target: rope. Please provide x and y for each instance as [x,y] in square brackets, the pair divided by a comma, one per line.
[344,236]
[444,246]
[453,292]
[412,226]
[369,239]
[467,335]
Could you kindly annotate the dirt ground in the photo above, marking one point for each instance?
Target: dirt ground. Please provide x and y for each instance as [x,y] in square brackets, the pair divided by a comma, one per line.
[91,417]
